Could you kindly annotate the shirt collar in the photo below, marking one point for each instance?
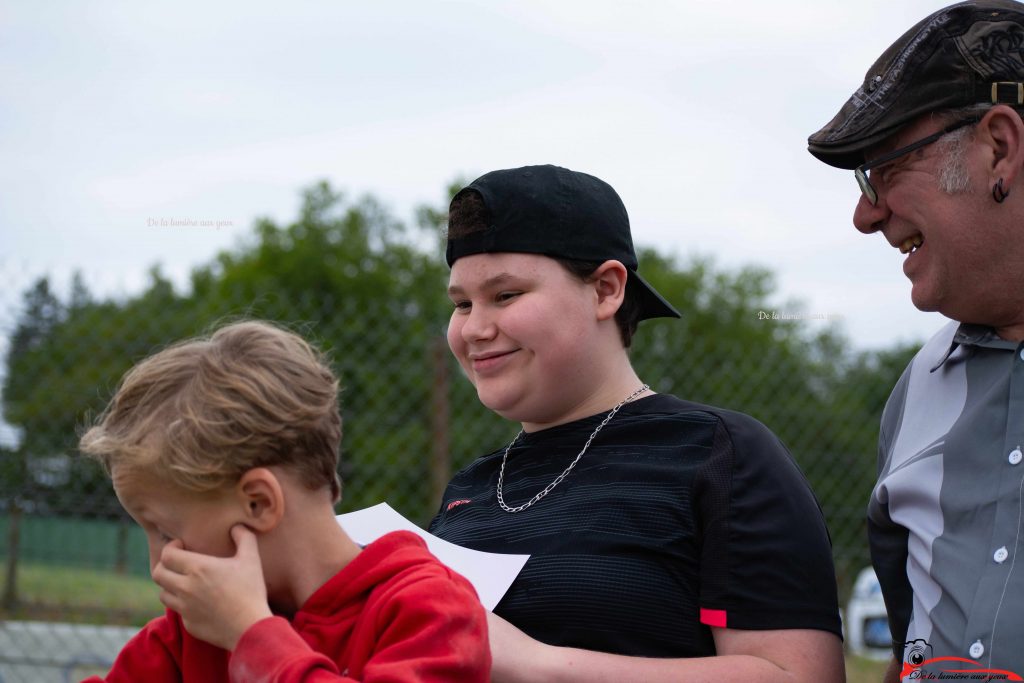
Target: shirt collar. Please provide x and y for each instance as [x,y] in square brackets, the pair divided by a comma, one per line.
[972,335]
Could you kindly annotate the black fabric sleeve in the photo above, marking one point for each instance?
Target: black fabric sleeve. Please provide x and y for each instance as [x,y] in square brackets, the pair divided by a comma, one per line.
[889,558]
[888,542]
[766,557]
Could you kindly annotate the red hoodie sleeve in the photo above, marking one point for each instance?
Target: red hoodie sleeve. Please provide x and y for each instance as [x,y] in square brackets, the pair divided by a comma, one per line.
[270,651]
[428,630]
[152,655]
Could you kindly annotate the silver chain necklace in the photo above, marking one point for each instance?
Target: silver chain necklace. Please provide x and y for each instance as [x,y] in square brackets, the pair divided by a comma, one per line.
[560,477]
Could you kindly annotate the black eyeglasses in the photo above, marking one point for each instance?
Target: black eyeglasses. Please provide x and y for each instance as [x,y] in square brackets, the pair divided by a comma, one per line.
[861,172]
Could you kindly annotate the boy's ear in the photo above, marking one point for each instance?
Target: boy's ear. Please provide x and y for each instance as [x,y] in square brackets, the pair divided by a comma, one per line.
[262,497]
[610,282]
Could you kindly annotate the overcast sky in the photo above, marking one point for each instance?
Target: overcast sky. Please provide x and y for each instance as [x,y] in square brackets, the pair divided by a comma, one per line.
[115,116]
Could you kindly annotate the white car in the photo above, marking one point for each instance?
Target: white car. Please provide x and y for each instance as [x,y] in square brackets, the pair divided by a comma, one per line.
[867,626]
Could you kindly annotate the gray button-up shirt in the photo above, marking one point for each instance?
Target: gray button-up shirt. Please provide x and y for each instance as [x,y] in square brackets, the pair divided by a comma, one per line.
[944,520]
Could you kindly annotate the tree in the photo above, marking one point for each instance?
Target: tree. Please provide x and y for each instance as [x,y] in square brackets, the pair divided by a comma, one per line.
[42,314]
[357,282]
[344,274]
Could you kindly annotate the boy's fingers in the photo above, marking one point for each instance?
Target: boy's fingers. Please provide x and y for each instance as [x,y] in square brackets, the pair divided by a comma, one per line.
[170,601]
[174,558]
[245,541]
[177,559]
[167,578]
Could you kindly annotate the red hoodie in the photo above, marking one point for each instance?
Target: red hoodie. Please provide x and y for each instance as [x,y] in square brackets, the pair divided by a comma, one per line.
[394,613]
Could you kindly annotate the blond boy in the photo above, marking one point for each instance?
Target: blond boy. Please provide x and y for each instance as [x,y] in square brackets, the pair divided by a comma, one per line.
[225,451]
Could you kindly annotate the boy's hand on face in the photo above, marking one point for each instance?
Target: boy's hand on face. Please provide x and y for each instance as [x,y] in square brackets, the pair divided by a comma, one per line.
[218,598]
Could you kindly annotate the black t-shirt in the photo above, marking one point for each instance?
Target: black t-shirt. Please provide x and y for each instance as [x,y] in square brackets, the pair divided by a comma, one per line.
[678,517]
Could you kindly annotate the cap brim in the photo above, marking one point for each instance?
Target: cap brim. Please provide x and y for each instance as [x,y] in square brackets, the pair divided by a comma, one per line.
[848,159]
[851,154]
[652,304]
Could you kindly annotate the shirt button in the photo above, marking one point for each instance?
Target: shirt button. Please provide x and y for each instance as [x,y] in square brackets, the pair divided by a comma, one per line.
[977,649]
[1000,555]
[1015,456]
[1022,354]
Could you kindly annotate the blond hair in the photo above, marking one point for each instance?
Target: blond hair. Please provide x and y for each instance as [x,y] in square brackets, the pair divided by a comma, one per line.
[206,410]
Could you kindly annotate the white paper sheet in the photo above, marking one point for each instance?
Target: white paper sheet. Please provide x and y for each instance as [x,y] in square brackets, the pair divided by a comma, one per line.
[490,573]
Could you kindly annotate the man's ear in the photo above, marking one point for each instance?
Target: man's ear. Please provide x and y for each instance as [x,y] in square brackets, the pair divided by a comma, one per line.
[609,280]
[262,497]
[1002,130]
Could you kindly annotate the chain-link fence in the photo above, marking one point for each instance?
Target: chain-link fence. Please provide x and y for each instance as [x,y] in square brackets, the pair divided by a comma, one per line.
[410,420]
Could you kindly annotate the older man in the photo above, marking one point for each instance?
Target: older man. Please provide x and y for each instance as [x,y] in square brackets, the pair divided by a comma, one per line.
[936,141]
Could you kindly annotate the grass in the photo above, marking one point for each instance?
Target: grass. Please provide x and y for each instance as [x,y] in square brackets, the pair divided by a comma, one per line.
[861,670]
[46,592]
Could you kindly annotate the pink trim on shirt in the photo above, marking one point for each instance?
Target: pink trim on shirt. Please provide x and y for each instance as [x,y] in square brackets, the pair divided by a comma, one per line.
[713,617]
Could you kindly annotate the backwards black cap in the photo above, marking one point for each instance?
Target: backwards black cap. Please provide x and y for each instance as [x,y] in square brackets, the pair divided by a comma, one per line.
[555,212]
[967,53]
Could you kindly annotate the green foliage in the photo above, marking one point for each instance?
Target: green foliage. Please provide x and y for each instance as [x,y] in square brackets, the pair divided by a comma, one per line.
[344,274]
[362,286]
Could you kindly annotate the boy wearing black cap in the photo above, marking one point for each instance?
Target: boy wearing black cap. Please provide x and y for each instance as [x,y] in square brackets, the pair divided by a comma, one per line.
[661,532]
[936,141]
